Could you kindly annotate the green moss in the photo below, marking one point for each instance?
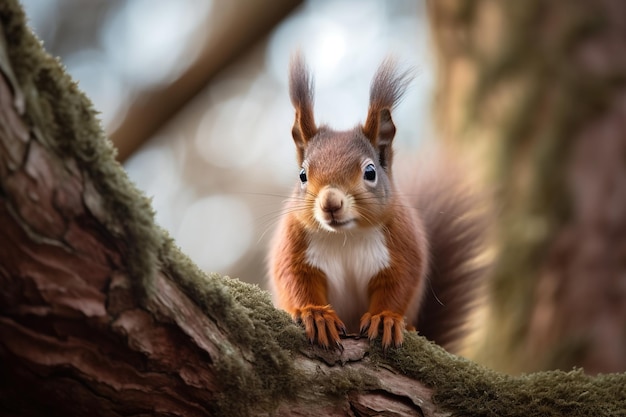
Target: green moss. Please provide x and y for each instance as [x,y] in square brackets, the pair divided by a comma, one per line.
[466,389]
[247,314]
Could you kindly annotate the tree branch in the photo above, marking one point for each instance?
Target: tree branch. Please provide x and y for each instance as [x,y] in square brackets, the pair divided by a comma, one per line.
[101,314]
[224,42]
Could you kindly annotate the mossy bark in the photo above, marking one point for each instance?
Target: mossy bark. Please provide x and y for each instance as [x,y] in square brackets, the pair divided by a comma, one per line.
[536,91]
[100,313]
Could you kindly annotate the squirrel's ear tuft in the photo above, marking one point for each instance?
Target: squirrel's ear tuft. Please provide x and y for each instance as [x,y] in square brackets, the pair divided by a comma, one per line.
[387,89]
[301,93]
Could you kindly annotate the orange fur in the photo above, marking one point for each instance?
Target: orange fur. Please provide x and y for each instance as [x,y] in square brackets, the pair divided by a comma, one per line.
[303,288]
[394,290]
[348,235]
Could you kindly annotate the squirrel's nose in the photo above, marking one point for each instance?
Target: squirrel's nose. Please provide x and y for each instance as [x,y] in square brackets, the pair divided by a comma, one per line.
[332,206]
[332,202]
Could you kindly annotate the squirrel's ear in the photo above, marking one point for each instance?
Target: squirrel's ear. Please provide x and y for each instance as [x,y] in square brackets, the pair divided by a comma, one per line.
[380,130]
[301,93]
[387,88]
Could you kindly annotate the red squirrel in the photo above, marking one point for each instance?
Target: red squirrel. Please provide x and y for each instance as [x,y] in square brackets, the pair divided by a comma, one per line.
[352,253]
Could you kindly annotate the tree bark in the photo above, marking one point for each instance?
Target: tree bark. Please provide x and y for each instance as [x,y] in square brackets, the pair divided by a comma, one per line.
[101,314]
[537,88]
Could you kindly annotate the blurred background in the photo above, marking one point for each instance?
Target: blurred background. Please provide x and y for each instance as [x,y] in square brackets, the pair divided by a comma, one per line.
[194,95]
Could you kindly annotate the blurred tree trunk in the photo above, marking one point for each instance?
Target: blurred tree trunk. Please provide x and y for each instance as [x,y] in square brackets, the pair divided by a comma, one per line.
[536,90]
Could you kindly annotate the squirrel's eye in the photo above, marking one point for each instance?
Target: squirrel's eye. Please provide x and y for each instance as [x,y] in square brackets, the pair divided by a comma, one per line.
[303,176]
[370,173]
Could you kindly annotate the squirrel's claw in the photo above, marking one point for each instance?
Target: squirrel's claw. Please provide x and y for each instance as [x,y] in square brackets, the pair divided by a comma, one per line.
[321,325]
[392,326]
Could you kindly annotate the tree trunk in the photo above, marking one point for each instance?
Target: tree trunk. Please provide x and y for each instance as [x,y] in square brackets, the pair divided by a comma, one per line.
[101,314]
[537,88]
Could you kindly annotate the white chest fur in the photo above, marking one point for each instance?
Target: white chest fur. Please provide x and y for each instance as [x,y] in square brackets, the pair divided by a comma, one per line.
[349,261]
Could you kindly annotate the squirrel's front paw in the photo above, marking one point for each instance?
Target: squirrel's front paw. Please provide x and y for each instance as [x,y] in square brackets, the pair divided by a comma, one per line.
[321,324]
[392,325]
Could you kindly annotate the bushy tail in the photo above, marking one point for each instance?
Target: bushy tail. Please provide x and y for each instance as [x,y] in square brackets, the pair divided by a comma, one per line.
[455,218]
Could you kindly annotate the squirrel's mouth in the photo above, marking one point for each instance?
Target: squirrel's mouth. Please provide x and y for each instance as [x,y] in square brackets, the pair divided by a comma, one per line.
[335,225]
[340,223]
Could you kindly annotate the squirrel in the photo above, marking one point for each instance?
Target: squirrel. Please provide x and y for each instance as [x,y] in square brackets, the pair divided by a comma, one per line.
[353,253]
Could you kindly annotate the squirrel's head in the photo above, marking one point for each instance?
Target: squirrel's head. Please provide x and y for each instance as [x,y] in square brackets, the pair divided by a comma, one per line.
[345,176]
